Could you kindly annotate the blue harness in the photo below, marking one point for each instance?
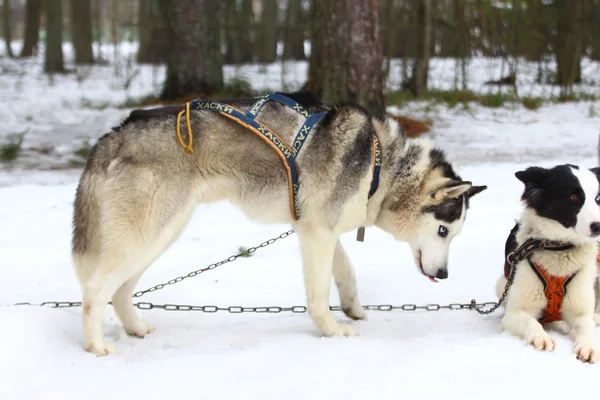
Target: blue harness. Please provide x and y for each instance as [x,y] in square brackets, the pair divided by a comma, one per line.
[286,153]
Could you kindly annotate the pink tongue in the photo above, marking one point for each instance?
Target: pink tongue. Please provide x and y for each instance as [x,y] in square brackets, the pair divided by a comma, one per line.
[432,279]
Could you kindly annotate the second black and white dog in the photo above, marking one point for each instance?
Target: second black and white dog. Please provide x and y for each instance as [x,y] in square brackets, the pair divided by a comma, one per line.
[560,204]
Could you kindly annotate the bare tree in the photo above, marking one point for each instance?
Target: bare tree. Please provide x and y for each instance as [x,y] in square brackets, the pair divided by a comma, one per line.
[349,53]
[568,43]
[420,73]
[32,27]
[152,39]
[293,32]
[81,31]
[194,62]
[267,38]
[53,58]
[7,28]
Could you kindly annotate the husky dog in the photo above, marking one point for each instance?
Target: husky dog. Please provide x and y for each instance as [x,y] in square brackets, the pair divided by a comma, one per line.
[560,204]
[139,188]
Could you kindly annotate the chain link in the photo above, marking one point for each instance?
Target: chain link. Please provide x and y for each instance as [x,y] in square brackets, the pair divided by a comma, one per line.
[481,308]
[197,272]
[279,309]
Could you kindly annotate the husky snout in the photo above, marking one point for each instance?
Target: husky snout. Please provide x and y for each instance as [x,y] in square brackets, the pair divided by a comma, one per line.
[595,229]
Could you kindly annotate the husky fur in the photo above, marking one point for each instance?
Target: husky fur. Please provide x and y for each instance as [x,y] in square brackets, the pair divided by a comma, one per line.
[139,188]
[560,204]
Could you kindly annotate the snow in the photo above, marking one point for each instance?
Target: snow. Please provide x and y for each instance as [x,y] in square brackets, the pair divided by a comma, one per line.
[63,113]
[422,355]
[455,354]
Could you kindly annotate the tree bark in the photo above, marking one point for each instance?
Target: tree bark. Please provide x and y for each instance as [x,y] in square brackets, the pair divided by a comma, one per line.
[53,59]
[420,73]
[293,39]
[32,28]
[267,41]
[7,28]
[569,36]
[350,52]
[152,39]
[81,31]
[194,62]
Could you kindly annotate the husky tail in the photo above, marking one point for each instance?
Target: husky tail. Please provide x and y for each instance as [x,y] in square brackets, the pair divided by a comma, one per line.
[86,240]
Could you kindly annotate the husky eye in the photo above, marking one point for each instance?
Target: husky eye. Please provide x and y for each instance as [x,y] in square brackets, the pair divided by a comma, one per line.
[598,198]
[574,197]
[442,231]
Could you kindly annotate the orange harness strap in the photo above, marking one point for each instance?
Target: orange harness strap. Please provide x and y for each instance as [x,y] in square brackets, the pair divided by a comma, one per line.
[555,290]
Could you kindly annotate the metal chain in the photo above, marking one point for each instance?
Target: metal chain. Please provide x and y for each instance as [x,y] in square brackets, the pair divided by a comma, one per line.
[473,305]
[192,274]
[275,309]
[497,305]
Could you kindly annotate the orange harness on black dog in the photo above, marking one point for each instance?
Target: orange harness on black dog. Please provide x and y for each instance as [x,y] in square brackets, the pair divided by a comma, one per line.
[555,287]
[555,290]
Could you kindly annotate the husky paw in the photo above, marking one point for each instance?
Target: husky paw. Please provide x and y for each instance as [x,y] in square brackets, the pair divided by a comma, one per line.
[140,329]
[355,311]
[340,330]
[542,342]
[101,348]
[585,353]
[597,318]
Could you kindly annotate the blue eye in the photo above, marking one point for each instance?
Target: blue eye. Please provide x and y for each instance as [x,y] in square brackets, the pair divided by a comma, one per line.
[443,231]
[598,199]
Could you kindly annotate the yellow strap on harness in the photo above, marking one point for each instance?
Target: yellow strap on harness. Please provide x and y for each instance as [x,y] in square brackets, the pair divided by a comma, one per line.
[187,147]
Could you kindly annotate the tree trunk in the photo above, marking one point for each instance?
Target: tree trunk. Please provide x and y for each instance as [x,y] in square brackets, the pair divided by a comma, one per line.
[569,35]
[194,62]
[81,31]
[418,83]
[53,59]
[349,53]
[247,32]
[7,28]
[32,28]
[293,39]
[152,39]
[267,49]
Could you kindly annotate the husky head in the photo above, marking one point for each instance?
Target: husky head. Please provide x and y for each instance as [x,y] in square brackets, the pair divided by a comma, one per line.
[566,199]
[426,207]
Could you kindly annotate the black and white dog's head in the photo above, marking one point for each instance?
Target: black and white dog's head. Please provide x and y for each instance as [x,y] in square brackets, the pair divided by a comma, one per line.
[566,196]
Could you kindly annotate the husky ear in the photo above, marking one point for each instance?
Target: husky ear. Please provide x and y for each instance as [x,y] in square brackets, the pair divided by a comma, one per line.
[532,175]
[456,188]
[474,190]
[596,172]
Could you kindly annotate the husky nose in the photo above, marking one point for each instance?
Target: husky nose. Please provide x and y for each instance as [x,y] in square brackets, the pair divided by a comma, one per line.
[443,273]
[595,228]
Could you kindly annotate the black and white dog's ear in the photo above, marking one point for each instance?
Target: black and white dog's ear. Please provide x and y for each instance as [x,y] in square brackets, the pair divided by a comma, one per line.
[532,175]
[473,190]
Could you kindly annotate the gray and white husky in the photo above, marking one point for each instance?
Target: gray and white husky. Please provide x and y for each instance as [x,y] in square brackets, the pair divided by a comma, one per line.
[139,188]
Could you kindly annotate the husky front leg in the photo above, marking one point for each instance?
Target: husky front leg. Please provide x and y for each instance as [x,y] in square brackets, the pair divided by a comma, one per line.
[523,325]
[583,333]
[318,246]
[345,281]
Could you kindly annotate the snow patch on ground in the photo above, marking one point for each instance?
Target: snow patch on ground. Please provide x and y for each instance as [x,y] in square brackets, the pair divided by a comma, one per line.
[62,114]
[450,354]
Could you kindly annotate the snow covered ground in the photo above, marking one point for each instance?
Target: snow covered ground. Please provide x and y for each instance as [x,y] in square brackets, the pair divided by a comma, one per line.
[412,355]
[63,113]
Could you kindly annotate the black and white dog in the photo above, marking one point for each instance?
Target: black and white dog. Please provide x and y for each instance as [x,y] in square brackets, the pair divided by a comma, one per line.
[561,205]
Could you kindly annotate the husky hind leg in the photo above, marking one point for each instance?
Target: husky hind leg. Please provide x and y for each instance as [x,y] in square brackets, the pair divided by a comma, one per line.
[133,228]
[317,246]
[122,299]
[345,280]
